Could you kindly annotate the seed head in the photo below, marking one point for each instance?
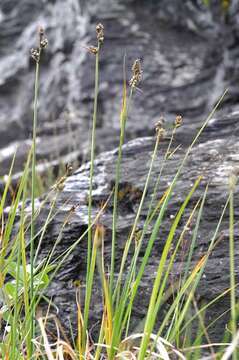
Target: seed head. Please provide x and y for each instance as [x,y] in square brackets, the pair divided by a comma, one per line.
[161,133]
[60,184]
[233,178]
[159,124]
[136,74]
[93,50]
[178,121]
[159,127]
[73,209]
[43,42]
[35,54]
[100,33]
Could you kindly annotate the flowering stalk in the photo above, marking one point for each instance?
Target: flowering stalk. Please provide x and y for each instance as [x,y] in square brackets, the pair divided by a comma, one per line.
[134,81]
[36,55]
[95,51]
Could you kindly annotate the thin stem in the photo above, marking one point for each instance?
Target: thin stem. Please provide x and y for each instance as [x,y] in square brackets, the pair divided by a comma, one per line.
[116,190]
[32,325]
[92,158]
[232,269]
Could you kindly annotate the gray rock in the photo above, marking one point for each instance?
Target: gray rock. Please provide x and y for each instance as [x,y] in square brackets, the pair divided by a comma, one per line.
[189,54]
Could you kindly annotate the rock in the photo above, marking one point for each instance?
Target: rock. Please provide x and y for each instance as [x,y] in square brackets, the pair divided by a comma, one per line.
[189,54]
[213,157]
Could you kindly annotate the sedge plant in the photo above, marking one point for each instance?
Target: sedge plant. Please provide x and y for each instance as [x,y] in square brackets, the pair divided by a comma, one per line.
[24,338]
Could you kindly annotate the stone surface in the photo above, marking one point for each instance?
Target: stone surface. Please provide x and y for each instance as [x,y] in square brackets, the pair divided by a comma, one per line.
[189,54]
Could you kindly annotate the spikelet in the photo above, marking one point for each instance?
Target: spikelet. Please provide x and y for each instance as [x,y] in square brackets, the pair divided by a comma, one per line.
[43,42]
[136,74]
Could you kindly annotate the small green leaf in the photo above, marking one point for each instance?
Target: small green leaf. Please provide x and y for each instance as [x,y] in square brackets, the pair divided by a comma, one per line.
[10,289]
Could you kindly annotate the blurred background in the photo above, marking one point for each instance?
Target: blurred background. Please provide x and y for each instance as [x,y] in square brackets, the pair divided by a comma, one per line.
[189,52]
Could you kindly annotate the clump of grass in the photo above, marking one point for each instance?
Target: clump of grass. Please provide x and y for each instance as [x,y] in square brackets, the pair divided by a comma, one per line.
[23,281]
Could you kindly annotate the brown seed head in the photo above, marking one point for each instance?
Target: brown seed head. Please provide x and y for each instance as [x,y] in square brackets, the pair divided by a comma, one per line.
[161,133]
[100,33]
[159,124]
[159,127]
[35,54]
[93,50]
[43,42]
[60,184]
[73,208]
[136,73]
[178,120]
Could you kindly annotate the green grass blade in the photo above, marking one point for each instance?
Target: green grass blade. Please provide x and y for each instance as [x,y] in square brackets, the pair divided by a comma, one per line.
[154,302]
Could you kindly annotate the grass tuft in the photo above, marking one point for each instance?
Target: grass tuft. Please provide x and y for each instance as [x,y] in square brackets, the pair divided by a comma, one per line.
[24,277]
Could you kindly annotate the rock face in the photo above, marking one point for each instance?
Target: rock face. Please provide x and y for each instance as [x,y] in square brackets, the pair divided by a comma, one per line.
[189,53]
[214,157]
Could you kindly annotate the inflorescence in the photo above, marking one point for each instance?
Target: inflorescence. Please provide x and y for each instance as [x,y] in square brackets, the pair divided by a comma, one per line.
[137,74]
[43,42]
